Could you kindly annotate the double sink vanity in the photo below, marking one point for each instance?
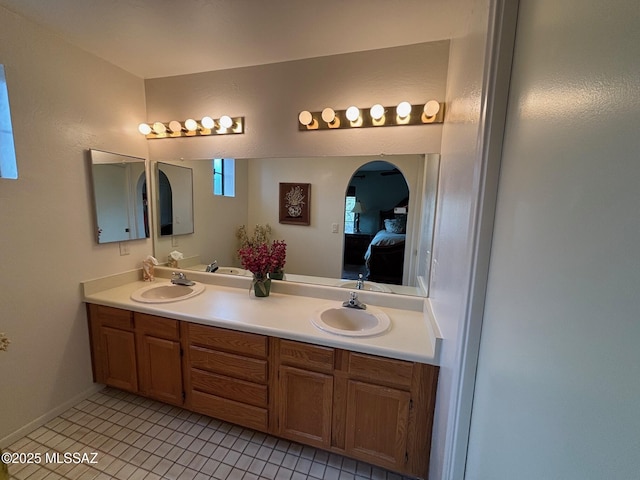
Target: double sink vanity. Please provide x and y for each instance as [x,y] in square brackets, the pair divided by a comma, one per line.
[297,364]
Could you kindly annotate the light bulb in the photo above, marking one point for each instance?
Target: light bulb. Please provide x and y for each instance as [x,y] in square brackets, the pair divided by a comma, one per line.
[353,113]
[207,122]
[377,111]
[144,129]
[226,121]
[305,117]
[159,128]
[328,115]
[431,108]
[191,125]
[403,109]
[175,126]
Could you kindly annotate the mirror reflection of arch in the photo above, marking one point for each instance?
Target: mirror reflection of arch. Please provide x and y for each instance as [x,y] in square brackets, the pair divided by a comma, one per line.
[376,214]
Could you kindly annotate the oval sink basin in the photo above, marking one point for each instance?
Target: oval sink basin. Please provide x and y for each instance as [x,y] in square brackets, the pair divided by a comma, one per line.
[370,286]
[351,322]
[166,293]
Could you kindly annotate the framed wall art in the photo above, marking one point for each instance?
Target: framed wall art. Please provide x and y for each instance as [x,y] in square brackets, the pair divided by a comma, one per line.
[295,201]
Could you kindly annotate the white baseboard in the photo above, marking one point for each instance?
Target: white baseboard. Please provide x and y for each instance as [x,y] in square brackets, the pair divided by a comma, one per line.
[38,422]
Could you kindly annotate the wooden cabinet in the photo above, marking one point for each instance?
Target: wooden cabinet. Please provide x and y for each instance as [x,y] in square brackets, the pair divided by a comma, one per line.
[370,408]
[113,347]
[389,411]
[227,375]
[305,393]
[377,421]
[159,358]
[136,352]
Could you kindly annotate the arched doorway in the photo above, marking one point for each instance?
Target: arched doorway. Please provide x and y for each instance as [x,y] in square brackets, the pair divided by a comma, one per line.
[376,206]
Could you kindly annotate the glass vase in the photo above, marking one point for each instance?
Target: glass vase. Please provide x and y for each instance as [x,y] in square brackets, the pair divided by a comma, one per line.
[261,286]
[277,275]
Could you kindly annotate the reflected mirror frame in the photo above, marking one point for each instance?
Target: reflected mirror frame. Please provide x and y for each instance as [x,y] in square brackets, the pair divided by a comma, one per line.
[185,207]
[120,214]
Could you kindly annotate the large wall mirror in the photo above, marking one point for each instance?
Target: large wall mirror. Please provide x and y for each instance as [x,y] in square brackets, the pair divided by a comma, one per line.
[120,196]
[316,252]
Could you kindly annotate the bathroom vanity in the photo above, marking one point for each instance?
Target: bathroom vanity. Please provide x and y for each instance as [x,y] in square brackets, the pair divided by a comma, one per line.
[259,363]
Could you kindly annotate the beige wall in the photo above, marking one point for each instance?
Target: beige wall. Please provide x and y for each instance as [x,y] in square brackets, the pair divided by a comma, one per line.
[557,382]
[456,221]
[216,218]
[315,249]
[63,102]
[271,96]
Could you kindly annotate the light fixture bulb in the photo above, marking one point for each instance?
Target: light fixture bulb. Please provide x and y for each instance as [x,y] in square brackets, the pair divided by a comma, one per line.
[144,129]
[328,115]
[431,108]
[305,117]
[159,128]
[191,125]
[403,109]
[226,121]
[207,122]
[377,111]
[353,113]
[175,126]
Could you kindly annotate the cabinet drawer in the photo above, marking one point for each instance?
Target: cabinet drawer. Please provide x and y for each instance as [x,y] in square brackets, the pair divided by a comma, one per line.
[230,411]
[231,388]
[382,370]
[113,317]
[228,364]
[157,326]
[307,356]
[228,340]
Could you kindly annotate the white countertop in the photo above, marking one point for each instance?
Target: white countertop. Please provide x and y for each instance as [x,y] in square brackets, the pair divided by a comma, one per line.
[413,335]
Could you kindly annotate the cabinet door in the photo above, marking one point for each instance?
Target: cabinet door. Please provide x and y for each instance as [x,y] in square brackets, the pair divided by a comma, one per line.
[305,406]
[118,358]
[377,419]
[160,369]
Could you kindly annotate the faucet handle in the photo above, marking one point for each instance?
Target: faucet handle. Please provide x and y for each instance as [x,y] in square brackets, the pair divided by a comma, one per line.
[353,302]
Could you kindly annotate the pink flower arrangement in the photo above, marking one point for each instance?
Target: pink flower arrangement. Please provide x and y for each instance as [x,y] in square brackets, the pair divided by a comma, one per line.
[262,259]
[278,255]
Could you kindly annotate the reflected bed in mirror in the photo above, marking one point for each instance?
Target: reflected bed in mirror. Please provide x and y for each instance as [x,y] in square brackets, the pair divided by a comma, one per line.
[315,253]
[120,196]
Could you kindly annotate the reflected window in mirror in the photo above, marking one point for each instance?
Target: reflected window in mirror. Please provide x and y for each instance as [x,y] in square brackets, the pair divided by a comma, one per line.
[224,177]
[8,166]
[349,214]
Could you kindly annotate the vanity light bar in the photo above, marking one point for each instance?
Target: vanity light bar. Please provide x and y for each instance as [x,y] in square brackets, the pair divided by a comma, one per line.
[377,116]
[224,125]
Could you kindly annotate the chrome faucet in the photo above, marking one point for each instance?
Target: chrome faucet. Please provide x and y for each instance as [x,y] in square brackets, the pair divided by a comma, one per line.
[181,279]
[212,267]
[353,302]
[360,282]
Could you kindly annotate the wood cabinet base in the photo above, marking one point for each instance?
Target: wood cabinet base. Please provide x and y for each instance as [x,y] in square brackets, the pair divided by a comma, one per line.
[375,409]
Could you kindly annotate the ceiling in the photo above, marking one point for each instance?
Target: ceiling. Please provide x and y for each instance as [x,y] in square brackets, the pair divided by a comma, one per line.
[159,38]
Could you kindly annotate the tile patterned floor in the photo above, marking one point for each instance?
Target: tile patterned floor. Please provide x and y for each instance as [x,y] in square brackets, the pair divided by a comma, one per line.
[137,438]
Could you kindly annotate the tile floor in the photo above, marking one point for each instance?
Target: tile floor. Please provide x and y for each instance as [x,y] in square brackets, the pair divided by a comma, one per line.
[137,438]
